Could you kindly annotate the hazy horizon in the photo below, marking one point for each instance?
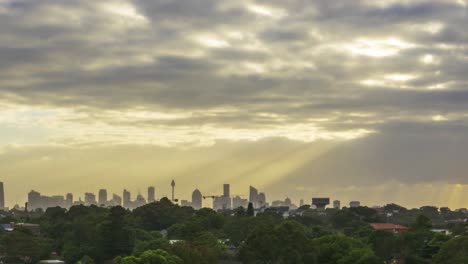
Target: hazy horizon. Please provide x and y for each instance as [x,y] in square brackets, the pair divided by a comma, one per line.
[353,100]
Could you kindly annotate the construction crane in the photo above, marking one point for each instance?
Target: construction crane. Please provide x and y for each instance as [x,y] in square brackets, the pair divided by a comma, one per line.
[217,196]
[211,196]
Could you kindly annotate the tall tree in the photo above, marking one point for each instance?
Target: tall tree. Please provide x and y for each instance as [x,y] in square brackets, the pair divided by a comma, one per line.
[114,235]
[250,210]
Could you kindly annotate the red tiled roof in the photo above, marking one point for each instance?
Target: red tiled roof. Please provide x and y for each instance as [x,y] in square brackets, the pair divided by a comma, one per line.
[386,226]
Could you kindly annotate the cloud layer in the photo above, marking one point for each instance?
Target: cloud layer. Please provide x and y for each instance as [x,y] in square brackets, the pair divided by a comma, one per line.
[191,73]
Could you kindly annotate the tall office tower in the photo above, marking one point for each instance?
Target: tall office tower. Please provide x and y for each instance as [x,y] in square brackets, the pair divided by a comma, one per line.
[173,186]
[102,197]
[56,200]
[90,199]
[196,199]
[69,200]
[261,201]
[226,190]
[237,202]
[301,202]
[253,196]
[221,203]
[140,201]
[127,199]
[116,200]
[34,200]
[336,204]
[2,197]
[151,194]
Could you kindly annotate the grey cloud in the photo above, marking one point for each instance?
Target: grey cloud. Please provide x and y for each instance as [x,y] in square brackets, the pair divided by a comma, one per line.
[53,60]
[406,152]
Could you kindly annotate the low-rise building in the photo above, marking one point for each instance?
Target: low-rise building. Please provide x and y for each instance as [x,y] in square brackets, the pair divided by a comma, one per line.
[389,227]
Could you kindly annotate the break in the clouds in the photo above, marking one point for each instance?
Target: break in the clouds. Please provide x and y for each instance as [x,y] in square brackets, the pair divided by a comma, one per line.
[187,74]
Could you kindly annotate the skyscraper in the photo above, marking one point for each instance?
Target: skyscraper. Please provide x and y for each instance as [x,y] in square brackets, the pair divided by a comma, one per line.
[102,197]
[253,196]
[116,200]
[237,202]
[127,199]
[336,204]
[151,194]
[2,197]
[261,201]
[196,199]
[69,200]
[226,190]
[34,200]
[140,201]
[90,199]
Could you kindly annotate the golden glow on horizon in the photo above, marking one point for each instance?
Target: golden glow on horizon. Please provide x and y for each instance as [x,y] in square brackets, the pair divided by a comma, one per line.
[144,126]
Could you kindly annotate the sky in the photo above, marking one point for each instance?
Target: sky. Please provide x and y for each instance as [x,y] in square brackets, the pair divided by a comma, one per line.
[349,99]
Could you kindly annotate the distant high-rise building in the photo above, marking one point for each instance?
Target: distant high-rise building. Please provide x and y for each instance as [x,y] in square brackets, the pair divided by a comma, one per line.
[221,203]
[336,204]
[127,199]
[261,202]
[34,200]
[301,202]
[90,199]
[354,204]
[140,201]
[237,202]
[151,194]
[226,190]
[116,200]
[2,197]
[69,200]
[197,199]
[102,197]
[253,196]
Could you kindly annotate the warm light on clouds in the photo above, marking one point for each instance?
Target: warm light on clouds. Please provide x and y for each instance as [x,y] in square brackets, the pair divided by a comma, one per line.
[265,11]
[377,47]
[428,59]
[432,27]
[125,10]
[314,95]
[212,42]
[439,118]
[400,77]
[373,82]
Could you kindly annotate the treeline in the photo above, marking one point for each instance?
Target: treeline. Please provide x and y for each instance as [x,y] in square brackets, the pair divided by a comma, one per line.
[163,232]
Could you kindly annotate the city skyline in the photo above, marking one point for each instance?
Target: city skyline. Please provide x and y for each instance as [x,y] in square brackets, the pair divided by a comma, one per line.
[129,200]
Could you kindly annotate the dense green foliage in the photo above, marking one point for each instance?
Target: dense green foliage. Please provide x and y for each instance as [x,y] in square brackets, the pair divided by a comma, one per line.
[163,232]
